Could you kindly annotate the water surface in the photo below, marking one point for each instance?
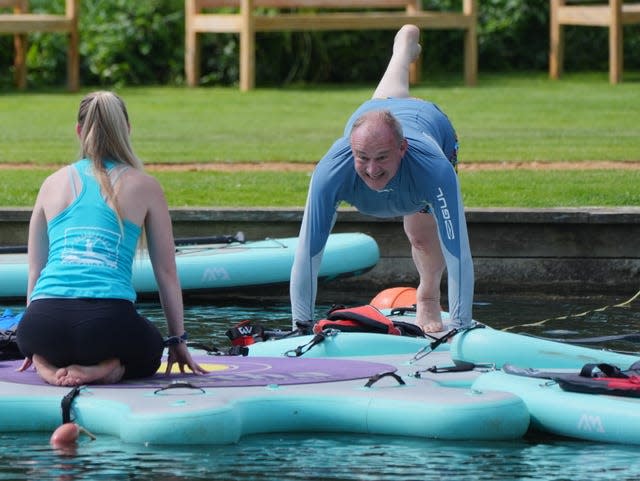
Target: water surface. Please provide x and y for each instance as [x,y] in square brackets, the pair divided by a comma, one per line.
[349,457]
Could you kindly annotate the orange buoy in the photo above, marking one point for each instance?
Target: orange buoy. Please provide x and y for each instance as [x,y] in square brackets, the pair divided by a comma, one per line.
[395,297]
[65,435]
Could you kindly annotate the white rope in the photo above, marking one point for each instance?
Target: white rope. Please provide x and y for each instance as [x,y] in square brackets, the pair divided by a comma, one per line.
[571,316]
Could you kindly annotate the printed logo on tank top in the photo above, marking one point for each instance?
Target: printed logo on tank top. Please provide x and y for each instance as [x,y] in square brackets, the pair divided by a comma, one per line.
[91,246]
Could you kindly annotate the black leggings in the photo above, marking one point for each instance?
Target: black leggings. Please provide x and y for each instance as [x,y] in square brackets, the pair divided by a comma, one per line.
[89,331]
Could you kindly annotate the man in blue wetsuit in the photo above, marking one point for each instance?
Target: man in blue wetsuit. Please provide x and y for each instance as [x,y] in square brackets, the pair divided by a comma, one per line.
[397,157]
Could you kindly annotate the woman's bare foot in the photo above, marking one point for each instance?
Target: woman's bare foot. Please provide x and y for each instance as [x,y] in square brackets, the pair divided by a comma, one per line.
[46,370]
[406,42]
[106,372]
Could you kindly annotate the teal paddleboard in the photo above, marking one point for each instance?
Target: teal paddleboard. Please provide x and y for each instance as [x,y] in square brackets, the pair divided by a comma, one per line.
[214,267]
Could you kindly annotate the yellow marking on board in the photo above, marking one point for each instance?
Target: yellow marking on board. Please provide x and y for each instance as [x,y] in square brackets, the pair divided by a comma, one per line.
[205,365]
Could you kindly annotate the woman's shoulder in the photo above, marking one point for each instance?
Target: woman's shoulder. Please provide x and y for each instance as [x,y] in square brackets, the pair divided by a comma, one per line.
[136,187]
[136,178]
[60,175]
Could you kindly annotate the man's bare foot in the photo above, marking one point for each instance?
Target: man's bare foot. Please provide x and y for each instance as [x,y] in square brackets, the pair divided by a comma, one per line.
[406,42]
[429,314]
[107,372]
[432,327]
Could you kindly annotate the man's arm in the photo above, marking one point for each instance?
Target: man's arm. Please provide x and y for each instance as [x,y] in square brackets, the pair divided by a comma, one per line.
[452,228]
[317,222]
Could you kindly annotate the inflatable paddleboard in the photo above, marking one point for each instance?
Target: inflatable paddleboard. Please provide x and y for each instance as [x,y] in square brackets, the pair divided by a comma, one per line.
[217,267]
[595,416]
[250,395]
[348,382]
[490,346]
[592,417]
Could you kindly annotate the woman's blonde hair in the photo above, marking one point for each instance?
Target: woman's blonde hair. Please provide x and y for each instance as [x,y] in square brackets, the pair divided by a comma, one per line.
[104,136]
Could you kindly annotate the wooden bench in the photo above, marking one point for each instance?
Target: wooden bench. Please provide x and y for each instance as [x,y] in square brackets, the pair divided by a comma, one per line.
[612,14]
[246,17]
[19,22]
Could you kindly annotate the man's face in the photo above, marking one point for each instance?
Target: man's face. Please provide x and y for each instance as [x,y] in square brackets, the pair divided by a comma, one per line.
[377,154]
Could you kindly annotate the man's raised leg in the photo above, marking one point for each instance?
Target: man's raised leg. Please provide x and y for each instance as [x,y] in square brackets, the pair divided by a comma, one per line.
[406,49]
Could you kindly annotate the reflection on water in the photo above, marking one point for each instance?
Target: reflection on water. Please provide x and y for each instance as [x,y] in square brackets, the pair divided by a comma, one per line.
[319,458]
[344,457]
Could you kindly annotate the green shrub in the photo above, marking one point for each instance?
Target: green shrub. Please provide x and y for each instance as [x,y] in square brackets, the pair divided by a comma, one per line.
[132,43]
[142,43]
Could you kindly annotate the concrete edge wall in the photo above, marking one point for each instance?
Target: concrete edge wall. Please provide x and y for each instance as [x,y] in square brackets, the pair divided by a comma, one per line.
[561,250]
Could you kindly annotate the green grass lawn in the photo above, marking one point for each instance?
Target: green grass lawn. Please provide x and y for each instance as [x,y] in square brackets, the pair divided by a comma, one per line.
[507,188]
[506,118]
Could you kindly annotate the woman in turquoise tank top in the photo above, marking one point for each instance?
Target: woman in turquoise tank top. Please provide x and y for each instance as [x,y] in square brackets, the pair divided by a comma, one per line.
[81,325]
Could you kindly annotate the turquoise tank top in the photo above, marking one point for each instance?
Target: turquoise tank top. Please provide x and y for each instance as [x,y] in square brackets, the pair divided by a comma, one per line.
[90,255]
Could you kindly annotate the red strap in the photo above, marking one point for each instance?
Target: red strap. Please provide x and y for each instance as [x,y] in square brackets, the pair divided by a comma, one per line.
[631,383]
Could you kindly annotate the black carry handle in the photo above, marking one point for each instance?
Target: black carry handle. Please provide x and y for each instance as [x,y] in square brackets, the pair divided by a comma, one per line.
[220,239]
[182,241]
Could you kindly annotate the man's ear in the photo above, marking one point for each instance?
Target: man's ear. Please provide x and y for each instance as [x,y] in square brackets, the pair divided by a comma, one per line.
[404,145]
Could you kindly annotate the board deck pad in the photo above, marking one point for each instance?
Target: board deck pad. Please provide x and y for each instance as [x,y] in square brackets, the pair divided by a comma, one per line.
[235,371]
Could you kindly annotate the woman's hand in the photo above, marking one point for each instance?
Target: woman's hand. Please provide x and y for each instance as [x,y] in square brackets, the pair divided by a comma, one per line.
[179,354]
[26,364]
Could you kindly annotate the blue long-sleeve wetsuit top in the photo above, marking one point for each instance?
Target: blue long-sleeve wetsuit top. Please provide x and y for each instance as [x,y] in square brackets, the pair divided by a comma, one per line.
[426,178]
